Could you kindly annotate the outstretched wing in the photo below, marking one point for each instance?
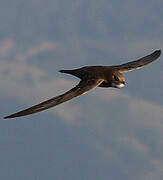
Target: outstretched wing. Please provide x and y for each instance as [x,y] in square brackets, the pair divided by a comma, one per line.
[81,88]
[130,66]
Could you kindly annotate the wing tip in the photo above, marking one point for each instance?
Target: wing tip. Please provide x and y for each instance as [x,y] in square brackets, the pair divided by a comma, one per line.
[13,115]
[61,71]
[157,52]
[8,117]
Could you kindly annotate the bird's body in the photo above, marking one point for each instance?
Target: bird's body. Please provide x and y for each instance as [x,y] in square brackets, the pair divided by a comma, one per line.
[96,72]
[91,77]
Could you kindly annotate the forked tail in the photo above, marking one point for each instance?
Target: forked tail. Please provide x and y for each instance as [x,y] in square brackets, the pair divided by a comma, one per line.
[74,72]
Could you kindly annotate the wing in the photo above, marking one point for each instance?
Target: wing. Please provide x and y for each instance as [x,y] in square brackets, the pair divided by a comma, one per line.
[81,88]
[130,66]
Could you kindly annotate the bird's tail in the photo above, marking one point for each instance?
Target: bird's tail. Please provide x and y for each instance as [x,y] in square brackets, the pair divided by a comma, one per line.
[66,71]
[75,72]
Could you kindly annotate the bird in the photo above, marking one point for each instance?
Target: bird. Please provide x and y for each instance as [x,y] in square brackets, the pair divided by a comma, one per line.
[91,77]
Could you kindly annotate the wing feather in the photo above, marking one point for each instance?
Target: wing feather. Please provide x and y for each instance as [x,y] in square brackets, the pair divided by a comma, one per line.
[130,66]
[81,88]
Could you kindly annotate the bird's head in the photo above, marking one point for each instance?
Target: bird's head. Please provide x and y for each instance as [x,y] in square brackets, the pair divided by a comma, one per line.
[118,80]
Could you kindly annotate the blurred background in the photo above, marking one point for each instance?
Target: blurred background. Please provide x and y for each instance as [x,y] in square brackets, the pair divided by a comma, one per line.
[106,134]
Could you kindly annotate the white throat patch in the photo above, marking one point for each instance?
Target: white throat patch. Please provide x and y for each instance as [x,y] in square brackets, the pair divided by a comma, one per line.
[118,85]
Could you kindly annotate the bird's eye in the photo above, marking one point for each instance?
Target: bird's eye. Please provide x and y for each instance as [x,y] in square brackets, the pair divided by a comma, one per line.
[116,78]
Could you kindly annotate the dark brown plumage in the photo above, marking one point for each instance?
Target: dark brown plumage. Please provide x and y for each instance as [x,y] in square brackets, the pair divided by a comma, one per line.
[91,77]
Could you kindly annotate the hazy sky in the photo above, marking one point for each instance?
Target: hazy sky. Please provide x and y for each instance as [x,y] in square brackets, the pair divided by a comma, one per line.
[106,134]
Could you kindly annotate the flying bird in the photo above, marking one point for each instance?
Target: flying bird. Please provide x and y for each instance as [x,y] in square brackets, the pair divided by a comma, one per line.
[91,77]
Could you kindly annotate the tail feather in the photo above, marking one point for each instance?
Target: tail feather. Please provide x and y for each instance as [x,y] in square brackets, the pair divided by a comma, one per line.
[72,72]
[75,72]
[65,71]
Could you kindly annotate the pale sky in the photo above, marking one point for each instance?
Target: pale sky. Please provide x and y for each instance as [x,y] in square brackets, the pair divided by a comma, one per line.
[106,134]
